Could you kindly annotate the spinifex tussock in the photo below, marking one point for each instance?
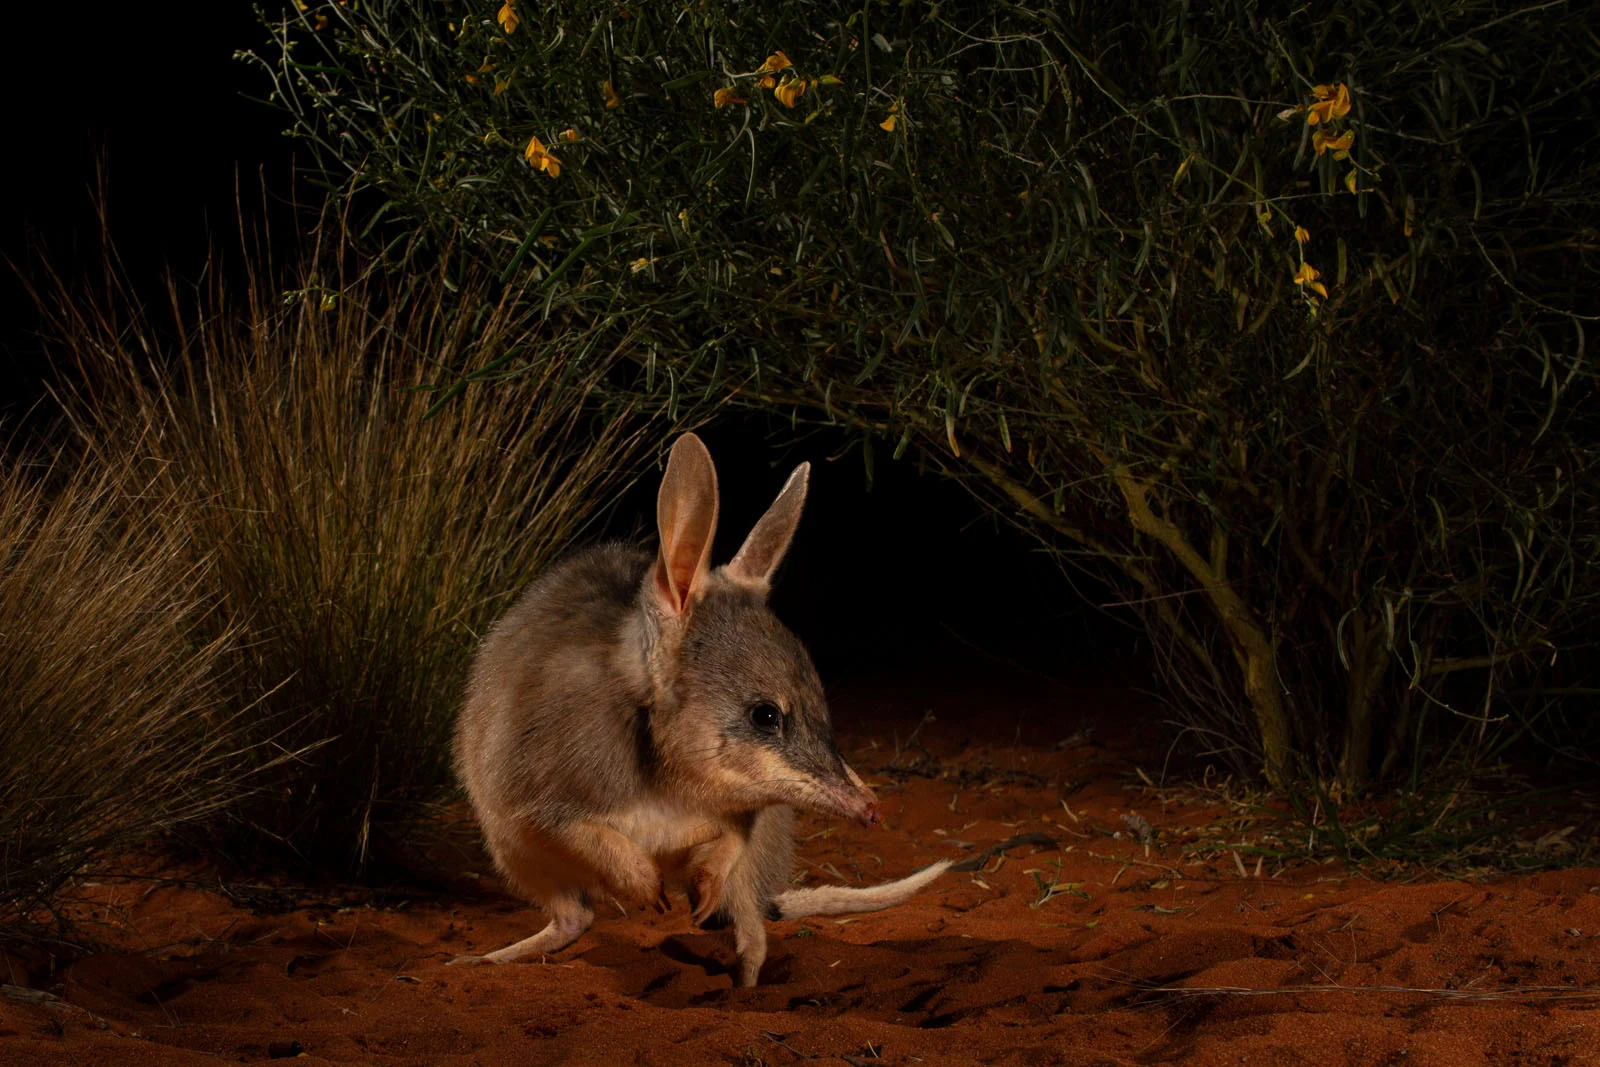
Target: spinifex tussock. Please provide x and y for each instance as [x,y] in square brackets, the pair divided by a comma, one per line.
[111,723]
[360,544]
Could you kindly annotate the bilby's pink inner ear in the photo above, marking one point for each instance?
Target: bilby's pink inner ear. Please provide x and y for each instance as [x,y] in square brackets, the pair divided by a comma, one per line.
[763,550]
[686,518]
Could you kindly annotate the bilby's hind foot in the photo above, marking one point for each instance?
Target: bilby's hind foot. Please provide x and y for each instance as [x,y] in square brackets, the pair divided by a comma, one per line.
[569,918]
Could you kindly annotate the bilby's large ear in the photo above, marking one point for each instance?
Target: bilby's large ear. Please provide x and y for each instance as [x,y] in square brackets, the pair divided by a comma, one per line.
[686,517]
[763,550]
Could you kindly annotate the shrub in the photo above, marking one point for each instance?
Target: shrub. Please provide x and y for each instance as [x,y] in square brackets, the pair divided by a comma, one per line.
[357,546]
[112,728]
[1276,319]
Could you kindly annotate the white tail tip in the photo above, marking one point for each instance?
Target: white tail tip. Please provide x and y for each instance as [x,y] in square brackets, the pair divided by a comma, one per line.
[853,900]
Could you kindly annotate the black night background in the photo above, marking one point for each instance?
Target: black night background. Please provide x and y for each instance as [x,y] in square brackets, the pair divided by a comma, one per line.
[1200,538]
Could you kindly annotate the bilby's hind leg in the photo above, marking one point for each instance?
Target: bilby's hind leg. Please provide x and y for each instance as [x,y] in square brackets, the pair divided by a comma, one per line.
[569,915]
[538,872]
[620,863]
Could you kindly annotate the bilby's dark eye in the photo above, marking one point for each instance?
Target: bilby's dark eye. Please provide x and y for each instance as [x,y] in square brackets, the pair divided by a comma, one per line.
[765,716]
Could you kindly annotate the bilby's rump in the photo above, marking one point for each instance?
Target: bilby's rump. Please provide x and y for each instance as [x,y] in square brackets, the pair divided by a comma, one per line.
[638,724]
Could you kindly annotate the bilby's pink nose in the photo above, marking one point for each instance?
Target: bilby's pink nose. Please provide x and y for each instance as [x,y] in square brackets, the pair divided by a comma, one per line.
[863,800]
[871,815]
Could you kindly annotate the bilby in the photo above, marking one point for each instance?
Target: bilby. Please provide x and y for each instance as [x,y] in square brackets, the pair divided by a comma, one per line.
[638,724]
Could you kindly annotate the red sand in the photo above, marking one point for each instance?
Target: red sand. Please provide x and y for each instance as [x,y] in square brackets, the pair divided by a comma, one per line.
[1313,966]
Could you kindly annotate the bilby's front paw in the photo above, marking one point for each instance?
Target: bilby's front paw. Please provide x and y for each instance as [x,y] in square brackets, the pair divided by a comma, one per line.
[469,961]
[641,887]
[705,893]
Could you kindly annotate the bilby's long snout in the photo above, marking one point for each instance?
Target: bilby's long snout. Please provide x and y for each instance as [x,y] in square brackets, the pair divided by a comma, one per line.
[850,797]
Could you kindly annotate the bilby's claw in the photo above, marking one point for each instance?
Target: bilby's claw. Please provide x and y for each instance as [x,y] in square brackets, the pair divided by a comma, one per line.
[705,893]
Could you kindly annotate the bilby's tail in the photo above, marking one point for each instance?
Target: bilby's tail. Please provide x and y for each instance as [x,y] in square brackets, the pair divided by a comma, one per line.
[851,900]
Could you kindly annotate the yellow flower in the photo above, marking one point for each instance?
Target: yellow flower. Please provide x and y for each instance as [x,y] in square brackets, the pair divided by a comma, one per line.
[1306,278]
[888,124]
[612,99]
[1322,141]
[642,263]
[789,91]
[724,97]
[1333,102]
[1350,181]
[537,157]
[508,17]
[767,81]
[1301,235]
[569,135]
[775,62]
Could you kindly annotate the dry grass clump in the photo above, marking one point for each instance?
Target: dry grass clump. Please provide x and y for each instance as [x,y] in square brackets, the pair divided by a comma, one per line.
[111,723]
[360,543]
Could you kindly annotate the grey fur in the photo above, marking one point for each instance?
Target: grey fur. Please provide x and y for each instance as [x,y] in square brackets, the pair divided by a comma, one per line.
[611,743]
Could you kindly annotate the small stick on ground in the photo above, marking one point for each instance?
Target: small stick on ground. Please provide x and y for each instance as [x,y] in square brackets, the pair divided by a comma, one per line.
[977,861]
